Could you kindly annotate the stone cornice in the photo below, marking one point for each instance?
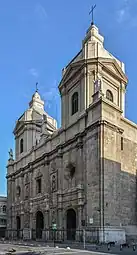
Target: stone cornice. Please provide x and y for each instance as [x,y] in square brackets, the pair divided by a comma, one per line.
[112,126]
[58,151]
[120,75]
[74,58]
[26,125]
[78,76]
[129,122]
[45,158]
[78,65]
[112,105]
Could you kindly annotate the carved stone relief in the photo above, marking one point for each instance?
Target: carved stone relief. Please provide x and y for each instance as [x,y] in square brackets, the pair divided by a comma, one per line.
[53,166]
[27,191]
[69,171]
[27,178]
[54,181]
[53,217]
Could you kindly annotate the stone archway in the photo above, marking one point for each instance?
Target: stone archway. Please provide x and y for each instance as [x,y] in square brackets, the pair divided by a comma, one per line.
[71,224]
[18,225]
[39,224]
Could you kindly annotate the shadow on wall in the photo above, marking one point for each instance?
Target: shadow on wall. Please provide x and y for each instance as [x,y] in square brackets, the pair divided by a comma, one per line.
[120,196]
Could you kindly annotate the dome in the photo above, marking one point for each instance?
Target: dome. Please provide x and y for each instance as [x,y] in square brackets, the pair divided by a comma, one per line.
[36,95]
[36,101]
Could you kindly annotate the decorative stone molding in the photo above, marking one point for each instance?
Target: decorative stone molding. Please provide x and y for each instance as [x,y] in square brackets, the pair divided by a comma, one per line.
[53,166]
[38,175]
[112,126]
[54,181]
[27,178]
[46,161]
[60,153]
[69,171]
[79,143]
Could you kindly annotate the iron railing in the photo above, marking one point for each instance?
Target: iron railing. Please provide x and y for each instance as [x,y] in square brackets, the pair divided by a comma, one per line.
[60,235]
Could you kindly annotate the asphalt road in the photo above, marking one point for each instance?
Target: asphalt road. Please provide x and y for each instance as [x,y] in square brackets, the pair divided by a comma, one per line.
[40,248]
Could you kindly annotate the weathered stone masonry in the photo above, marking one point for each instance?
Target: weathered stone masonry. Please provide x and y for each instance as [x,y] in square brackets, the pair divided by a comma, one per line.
[84,173]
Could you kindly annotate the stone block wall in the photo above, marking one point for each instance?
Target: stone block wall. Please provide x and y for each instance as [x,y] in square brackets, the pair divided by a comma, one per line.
[119,179]
[92,174]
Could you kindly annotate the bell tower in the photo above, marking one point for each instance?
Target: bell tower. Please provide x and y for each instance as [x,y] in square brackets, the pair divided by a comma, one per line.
[30,127]
[106,76]
[92,73]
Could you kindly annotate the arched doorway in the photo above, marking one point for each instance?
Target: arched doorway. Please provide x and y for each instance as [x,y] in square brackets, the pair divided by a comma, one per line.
[39,224]
[18,226]
[71,224]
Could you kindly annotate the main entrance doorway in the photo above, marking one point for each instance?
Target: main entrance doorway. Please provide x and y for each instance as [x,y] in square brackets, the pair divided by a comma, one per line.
[39,224]
[18,226]
[71,224]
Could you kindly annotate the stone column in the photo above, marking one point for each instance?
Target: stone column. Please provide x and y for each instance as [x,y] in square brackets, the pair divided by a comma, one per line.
[63,107]
[80,181]
[123,90]
[31,182]
[60,224]
[33,223]
[9,204]
[31,220]
[22,187]
[79,217]
[22,219]
[22,201]
[13,204]
[14,223]
[88,88]
[59,194]
[59,213]
[46,174]
[46,232]
[80,165]
[80,206]
[31,217]
[60,168]
[60,186]
[79,223]
[13,190]
[31,203]
[46,219]
[47,190]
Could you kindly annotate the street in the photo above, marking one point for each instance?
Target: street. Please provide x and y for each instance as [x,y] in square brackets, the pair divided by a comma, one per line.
[26,250]
[41,248]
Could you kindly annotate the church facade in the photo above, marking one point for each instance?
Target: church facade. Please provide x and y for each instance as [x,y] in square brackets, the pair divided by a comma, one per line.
[82,175]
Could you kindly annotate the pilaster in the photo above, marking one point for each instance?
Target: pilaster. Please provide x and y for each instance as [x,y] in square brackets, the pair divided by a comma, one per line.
[79,167]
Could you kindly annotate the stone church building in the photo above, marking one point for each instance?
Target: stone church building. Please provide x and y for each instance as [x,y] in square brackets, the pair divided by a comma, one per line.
[83,174]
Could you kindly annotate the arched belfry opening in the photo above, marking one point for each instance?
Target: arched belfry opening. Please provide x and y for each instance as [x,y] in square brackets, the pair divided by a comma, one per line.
[71,224]
[39,224]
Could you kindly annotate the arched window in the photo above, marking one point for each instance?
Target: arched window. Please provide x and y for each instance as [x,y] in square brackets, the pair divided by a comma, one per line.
[21,145]
[4,208]
[74,103]
[109,95]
